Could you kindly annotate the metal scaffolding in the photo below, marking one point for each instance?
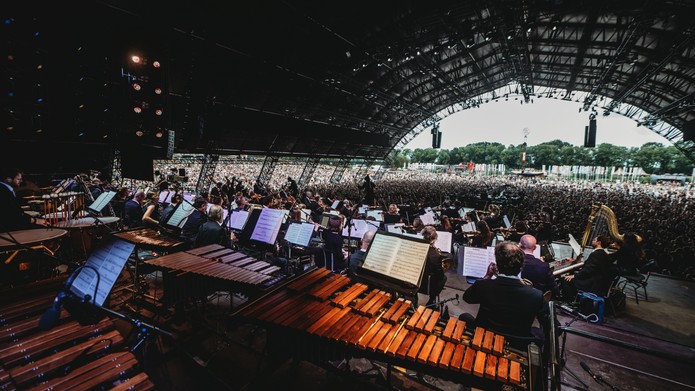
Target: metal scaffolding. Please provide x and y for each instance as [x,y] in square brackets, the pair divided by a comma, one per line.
[207,172]
[340,168]
[308,171]
[268,167]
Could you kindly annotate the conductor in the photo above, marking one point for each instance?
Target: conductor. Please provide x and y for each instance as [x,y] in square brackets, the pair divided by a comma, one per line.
[368,187]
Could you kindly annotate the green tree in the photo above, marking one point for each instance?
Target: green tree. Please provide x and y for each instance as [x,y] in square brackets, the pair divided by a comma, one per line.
[444,157]
[649,157]
[428,155]
[607,155]
[398,159]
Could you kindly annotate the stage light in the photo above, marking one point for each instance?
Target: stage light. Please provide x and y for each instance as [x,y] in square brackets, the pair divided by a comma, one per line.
[39,130]
[159,133]
[137,109]
[139,133]
[39,100]
[137,87]
[39,67]
[156,64]
[158,91]
[135,59]
[12,127]
[158,112]
[10,57]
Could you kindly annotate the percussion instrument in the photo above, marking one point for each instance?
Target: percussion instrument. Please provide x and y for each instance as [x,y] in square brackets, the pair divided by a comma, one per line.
[68,356]
[82,231]
[149,239]
[324,316]
[29,237]
[212,268]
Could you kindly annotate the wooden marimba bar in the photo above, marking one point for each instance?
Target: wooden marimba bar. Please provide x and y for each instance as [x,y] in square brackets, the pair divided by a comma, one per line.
[321,314]
[148,238]
[211,268]
[68,356]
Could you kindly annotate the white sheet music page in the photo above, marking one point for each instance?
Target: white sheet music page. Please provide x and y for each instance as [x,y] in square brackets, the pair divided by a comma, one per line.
[427,218]
[476,260]
[299,233]
[238,219]
[401,259]
[443,242]
[108,259]
[359,228]
[268,225]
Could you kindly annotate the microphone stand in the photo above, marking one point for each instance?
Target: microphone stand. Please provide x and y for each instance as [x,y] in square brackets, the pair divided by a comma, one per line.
[599,379]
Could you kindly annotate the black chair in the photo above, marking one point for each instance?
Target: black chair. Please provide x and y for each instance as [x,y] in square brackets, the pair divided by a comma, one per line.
[637,280]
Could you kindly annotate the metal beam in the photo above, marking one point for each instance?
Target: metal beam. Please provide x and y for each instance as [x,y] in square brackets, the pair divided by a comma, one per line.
[340,168]
[308,171]
[207,172]
[268,168]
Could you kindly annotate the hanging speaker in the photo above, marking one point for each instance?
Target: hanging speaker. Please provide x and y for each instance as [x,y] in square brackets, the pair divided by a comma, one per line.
[590,134]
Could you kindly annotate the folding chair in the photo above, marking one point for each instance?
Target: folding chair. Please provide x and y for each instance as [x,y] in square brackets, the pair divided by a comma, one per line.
[637,281]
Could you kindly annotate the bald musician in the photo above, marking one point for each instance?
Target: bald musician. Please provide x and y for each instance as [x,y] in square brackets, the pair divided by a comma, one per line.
[535,270]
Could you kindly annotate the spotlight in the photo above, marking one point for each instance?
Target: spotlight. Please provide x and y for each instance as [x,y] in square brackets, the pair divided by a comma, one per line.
[137,87]
[156,64]
[135,59]
[158,112]
[159,133]
[137,109]
[139,133]
[39,130]
[158,91]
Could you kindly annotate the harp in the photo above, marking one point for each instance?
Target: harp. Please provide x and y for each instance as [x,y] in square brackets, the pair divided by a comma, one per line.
[602,221]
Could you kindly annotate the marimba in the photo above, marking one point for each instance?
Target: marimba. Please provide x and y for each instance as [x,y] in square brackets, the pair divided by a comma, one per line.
[322,316]
[212,268]
[68,356]
[149,239]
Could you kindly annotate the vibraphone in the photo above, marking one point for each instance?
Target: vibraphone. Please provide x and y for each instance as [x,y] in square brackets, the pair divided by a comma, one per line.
[323,316]
[149,239]
[68,356]
[212,268]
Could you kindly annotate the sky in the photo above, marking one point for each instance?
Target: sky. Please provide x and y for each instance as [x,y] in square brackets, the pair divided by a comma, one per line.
[546,119]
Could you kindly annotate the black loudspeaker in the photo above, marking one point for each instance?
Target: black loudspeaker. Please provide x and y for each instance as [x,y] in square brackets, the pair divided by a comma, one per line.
[590,134]
[182,172]
[436,139]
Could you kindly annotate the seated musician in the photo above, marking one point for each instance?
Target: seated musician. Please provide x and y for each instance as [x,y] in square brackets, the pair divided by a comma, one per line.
[507,305]
[166,213]
[630,255]
[520,229]
[150,210]
[595,276]
[195,221]
[417,226]
[334,255]
[392,216]
[494,219]
[484,236]
[12,217]
[435,274]
[357,259]
[535,270]
[132,211]
[212,231]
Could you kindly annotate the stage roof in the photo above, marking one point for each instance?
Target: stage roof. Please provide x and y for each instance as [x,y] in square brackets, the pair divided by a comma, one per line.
[335,79]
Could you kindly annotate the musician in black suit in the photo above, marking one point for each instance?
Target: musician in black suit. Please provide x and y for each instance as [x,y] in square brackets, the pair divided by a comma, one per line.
[507,305]
[212,231]
[535,270]
[368,187]
[434,268]
[133,212]
[392,216]
[333,245]
[597,273]
[12,217]
[192,226]
[357,259]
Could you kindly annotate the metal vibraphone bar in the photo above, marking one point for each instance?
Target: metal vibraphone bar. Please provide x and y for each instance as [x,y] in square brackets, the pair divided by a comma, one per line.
[67,356]
[323,316]
[211,268]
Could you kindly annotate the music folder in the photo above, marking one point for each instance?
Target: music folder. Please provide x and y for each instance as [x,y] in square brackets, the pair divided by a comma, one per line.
[395,262]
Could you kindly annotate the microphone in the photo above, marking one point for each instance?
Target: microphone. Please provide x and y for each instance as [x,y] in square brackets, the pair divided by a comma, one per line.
[598,378]
[50,317]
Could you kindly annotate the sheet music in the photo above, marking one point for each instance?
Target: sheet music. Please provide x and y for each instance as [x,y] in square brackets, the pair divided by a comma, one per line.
[299,233]
[359,228]
[238,219]
[468,227]
[182,211]
[399,258]
[575,246]
[443,242]
[306,214]
[165,196]
[476,260]
[101,201]
[377,214]
[427,218]
[507,224]
[537,252]
[394,228]
[335,204]
[362,209]
[109,260]
[268,225]
[463,211]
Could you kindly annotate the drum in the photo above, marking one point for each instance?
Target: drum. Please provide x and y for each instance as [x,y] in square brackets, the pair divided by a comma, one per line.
[84,230]
[29,237]
[14,257]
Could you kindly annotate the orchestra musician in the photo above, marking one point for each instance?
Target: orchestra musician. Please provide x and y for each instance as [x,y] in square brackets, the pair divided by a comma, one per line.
[595,276]
[434,267]
[368,187]
[12,217]
[334,254]
[515,233]
[151,214]
[212,231]
[132,211]
[392,216]
[535,270]
[483,237]
[507,305]
[357,259]
[196,219]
